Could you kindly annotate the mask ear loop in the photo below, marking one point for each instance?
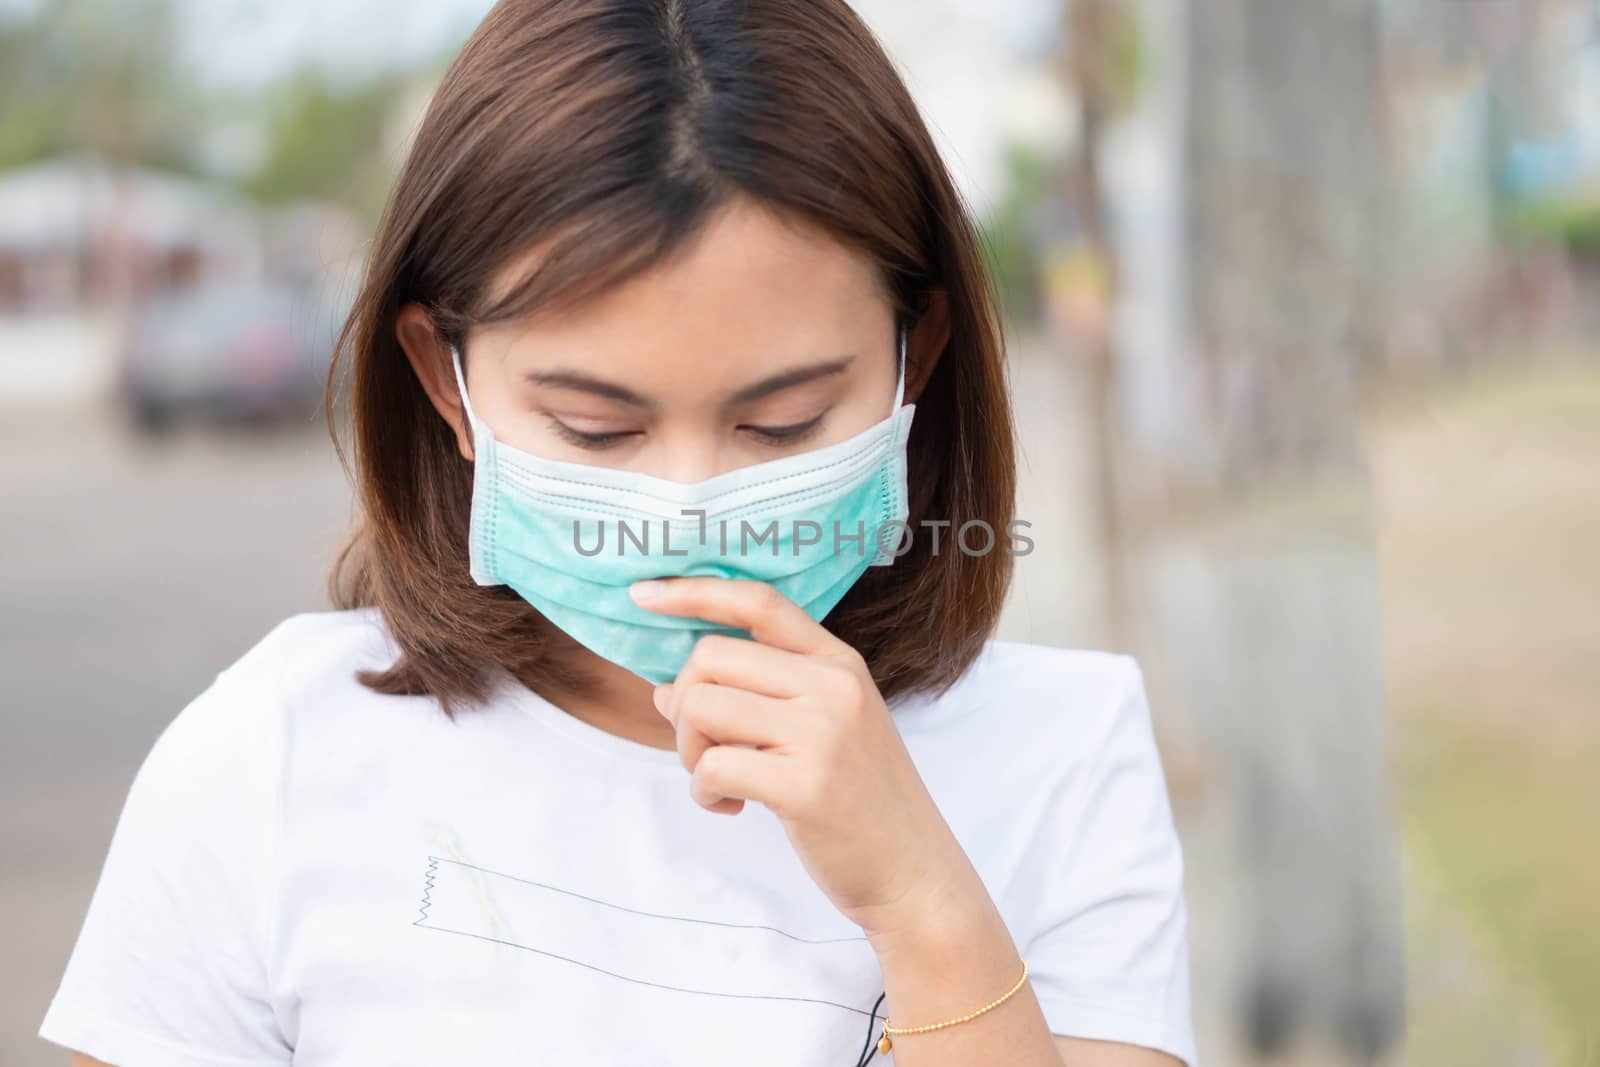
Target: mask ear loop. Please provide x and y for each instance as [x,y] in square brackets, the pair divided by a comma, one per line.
[461,386]
[900,384]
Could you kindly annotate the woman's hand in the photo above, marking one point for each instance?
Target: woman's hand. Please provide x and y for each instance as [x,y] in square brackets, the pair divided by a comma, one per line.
[792,719]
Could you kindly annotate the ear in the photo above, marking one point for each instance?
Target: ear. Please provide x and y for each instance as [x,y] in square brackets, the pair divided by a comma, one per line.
[926,343]
[429,356]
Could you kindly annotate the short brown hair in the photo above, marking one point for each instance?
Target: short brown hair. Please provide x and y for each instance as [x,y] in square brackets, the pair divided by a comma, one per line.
[609,131]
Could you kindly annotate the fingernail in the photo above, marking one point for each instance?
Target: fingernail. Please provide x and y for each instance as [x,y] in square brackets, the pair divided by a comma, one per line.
[662,696]
[642,591]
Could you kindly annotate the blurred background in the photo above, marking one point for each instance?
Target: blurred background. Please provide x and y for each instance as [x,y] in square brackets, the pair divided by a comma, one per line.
[1303,301]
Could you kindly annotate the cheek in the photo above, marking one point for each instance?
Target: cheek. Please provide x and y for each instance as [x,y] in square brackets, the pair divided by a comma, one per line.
[515,427]
[532,432]
[856,415]
[860,409]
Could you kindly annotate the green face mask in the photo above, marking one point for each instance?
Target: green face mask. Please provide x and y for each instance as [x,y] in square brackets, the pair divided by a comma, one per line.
[571,538]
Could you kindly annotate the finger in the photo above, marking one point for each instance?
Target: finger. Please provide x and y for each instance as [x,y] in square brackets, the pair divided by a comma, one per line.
[756,607]
[693,736]
[749,665]
[723,806]
[720,715]
[729,772]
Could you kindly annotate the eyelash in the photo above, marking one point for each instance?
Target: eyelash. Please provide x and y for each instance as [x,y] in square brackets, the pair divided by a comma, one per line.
[771,435]
[596,441]
[785,435]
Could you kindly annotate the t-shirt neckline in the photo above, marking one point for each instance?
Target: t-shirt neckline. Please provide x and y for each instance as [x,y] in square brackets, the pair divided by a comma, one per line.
[586,734]
[912,712]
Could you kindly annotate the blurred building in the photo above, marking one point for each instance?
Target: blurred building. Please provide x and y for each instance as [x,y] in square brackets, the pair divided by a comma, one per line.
[79,242]
[84,244]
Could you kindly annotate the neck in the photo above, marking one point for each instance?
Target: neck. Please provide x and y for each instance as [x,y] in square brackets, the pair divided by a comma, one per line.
[615,700]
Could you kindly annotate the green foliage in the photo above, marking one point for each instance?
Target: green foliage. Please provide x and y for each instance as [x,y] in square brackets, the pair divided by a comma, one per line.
[1582,234]
[325,141]
[1010,235]
[98,77]
[92,76]
[1502,822]
[1574,223]
[1497,754]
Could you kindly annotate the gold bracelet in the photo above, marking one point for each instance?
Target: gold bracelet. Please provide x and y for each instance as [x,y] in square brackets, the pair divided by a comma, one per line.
[884,1044]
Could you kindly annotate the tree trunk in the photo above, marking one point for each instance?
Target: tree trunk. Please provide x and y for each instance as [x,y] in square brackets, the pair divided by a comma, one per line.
[1255,599]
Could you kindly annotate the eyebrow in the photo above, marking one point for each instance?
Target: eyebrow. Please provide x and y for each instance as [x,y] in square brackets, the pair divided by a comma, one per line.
[585,383]
[588,383]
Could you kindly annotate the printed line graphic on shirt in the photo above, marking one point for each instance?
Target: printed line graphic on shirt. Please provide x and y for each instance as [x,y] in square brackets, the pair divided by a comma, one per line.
[689,954]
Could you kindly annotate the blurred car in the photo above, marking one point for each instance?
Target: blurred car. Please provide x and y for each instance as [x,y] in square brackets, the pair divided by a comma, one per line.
[229,351]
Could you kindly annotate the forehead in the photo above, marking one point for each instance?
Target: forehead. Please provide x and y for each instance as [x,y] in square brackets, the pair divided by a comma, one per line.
[753,291]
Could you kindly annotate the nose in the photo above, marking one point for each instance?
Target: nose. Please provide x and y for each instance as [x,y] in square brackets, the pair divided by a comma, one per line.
[688,456]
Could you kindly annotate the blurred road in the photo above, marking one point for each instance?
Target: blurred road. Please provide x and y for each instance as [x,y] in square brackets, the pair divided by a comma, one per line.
[131,571]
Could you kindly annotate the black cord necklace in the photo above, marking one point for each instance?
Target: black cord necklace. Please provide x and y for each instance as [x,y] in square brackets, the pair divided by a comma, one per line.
[870,1049]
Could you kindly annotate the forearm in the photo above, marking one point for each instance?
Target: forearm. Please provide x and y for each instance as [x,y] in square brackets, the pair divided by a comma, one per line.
[944,955]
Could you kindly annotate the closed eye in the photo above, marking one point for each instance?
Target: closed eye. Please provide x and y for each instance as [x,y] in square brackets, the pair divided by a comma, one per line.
[596,441]
[785,435]
[771,435]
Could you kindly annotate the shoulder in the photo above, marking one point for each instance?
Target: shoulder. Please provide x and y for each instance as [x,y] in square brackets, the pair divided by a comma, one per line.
[1053,734]
[1088,862]
[275,696]
[306,663]
[1071,699]
[311,652]
[216,773]
[1061,674]
[192,878]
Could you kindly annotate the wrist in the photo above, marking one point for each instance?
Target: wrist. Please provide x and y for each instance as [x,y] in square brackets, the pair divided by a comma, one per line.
[944,956]
[937,919]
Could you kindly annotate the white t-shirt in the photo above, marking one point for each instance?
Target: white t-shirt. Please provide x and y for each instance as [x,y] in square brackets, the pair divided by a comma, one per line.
[308,872]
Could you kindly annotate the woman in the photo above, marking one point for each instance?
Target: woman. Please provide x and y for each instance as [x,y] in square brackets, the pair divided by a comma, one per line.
[693,263]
